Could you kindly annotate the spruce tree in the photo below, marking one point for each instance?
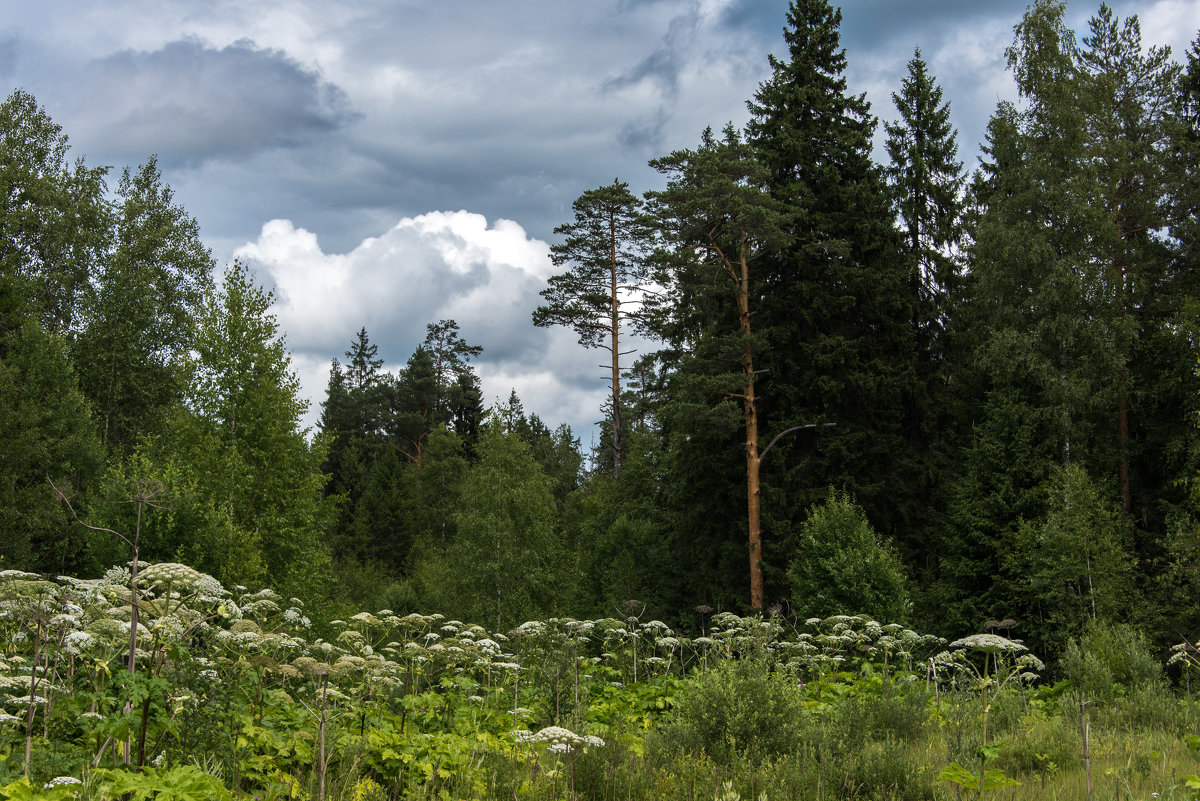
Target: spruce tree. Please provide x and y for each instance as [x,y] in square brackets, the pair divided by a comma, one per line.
[837,305]
[927,181]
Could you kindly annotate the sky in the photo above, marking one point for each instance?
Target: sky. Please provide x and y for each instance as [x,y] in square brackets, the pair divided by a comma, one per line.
[390,163]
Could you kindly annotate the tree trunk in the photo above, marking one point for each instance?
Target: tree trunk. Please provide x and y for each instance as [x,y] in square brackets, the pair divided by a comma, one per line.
[616,349]
[753,462]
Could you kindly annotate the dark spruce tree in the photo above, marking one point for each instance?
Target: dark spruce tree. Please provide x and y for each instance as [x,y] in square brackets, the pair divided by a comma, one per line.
[352,419]
[927,184]
[835,307]
[927,181]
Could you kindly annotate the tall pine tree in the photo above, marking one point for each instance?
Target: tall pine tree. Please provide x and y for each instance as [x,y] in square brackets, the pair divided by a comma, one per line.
[604,293]
[719,219]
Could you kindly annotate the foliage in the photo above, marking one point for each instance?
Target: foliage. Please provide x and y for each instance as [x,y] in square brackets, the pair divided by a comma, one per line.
[47,434]
[712,717]
[1109,660]
[241,487]
[245,698]
[1073,560]
[841,564]
[506,561]
[138,330]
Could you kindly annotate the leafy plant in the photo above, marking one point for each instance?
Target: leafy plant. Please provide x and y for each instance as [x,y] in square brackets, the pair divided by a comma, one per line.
[180,783]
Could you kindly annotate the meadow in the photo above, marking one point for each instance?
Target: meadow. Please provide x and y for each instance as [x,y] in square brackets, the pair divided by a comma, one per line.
[238,694]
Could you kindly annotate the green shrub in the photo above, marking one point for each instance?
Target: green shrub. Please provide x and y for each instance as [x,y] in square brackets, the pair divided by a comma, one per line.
[884,770]
[1109,660]
[901,715]
[1042,747]
[741,708]
[844,567]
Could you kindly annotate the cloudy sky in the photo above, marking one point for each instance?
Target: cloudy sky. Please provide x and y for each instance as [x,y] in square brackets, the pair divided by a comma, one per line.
[389,163]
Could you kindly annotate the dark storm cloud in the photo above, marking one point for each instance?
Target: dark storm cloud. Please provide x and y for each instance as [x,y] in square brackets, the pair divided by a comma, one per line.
[189,102]
[664,64]
[8,55]
[645,138]
[763,19]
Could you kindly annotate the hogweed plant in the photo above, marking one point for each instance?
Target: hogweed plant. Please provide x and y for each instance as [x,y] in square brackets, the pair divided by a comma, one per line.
[1005,662]
[561,744]
[238,679]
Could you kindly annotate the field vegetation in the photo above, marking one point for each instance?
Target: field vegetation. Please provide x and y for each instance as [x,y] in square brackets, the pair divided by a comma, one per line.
[235,694]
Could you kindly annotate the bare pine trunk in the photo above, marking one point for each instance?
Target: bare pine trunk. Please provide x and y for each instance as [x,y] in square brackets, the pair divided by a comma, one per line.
[615,327]
[753,462]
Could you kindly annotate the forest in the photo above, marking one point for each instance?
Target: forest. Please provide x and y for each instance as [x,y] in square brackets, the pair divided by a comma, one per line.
[909,433]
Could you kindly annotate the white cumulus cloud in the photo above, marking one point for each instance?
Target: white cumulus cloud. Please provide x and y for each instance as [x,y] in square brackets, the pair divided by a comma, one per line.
[440,265]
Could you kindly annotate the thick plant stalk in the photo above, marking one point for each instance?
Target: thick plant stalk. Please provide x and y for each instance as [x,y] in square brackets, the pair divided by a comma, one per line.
[33,683]
[1087,756]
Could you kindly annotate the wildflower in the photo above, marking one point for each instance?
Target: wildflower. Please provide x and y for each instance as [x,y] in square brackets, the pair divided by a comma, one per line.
[988,643]
[78,641]
[561,740]
[58,780]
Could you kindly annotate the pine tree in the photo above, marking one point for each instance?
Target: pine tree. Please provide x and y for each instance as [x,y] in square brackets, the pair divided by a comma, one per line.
[451,356]
[719,219]
[605,292]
